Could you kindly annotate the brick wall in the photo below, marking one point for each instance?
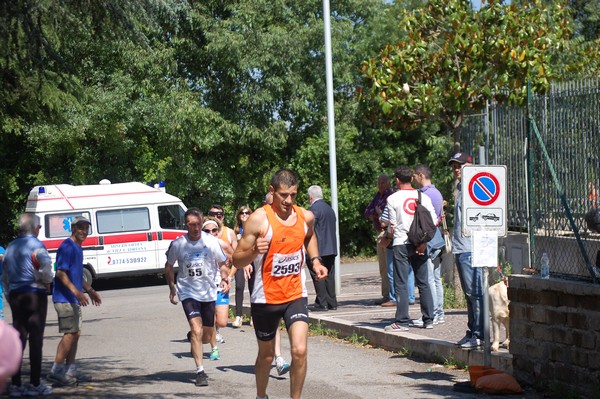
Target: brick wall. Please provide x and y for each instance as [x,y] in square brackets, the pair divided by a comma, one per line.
[555,333]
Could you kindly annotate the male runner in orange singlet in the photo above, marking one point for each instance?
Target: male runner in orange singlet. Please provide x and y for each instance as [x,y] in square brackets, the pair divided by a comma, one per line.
[276,238]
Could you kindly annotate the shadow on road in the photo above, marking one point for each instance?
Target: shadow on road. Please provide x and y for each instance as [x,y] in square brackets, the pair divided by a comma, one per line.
[117,283]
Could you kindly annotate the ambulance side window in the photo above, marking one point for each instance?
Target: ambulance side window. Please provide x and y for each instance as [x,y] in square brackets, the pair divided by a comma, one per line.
[58,225]
[171,217]
[121,220]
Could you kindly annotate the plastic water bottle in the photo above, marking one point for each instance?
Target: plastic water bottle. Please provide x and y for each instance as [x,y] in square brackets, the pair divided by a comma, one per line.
[545,269]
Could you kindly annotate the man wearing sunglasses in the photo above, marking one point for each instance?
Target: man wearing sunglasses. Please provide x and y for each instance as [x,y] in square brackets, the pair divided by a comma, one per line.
[227,234]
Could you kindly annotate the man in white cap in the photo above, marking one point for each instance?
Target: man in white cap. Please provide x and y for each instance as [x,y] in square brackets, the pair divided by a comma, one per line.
[68,297]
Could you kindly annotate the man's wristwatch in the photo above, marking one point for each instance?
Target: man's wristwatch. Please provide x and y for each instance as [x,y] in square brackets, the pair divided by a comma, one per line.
[316,257]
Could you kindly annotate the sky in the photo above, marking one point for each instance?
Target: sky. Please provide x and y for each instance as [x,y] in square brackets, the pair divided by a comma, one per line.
[477,4]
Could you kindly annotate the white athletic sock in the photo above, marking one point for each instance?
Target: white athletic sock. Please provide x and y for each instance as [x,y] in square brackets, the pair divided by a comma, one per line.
[71,369]
[57,368]
[199,369]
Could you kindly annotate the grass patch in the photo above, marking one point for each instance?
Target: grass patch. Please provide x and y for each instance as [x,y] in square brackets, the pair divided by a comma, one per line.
[320,329]
[405,352]
[451,301]
[356,339]
[452,363]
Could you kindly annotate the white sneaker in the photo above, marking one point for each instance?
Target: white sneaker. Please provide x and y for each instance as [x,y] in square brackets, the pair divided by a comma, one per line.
[416,323]
[464,339]
[238,322]
[472,343]
[281,365]
[395,327]
[220,338]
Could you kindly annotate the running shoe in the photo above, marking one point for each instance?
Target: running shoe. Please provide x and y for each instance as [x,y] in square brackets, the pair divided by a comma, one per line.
[214,354]
[237,322]
[15,391]
[201,379]
[79,377]
[395,327]
[220,338]
[281,365]
[61,379]
[40,390]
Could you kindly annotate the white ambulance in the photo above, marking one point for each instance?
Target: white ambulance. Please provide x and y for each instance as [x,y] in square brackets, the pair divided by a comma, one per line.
[132,224]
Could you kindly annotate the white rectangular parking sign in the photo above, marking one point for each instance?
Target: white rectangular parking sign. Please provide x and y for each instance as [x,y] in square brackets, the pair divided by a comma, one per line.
[484,199]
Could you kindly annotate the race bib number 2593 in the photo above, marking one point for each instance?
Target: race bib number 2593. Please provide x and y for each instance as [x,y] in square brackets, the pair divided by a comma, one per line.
[287,264]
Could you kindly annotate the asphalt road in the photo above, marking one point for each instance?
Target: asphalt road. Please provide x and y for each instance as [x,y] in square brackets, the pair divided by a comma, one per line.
[134,346]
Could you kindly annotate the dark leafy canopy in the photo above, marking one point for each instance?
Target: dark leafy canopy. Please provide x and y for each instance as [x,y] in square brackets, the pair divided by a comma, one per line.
[211,97]
[48,82]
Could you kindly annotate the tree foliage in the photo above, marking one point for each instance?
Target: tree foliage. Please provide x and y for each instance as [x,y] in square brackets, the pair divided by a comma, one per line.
[453,59]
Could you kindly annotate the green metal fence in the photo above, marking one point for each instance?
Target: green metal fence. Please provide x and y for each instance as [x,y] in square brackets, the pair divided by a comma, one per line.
[568,122]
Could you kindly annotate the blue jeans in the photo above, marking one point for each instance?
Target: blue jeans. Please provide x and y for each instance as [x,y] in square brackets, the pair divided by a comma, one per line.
[435,282]
[389,255]
[471,280]
[402,263]
[410,283]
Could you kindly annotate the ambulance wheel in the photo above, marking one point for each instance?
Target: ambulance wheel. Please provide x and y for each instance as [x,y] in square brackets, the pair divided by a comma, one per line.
[87,275]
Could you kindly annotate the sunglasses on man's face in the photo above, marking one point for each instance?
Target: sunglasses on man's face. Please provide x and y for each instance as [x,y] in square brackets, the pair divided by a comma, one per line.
[210,230]
[217,214]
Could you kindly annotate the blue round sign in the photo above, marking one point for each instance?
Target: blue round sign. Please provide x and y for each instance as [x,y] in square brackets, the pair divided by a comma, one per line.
[484,188]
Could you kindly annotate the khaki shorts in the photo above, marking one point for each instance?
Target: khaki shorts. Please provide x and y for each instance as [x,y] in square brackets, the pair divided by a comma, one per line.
[69,317]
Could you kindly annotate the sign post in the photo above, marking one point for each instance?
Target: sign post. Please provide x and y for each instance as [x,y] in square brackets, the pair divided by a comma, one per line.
[484,199]
[484,219]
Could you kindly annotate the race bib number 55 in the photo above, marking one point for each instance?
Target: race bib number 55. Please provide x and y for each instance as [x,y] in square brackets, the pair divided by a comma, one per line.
[196,269]
[286,264]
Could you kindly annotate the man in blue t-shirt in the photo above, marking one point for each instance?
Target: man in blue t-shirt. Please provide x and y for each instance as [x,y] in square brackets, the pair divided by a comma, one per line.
[68,297]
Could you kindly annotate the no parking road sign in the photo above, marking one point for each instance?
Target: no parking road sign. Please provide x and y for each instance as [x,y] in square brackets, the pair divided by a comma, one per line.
[484,199]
